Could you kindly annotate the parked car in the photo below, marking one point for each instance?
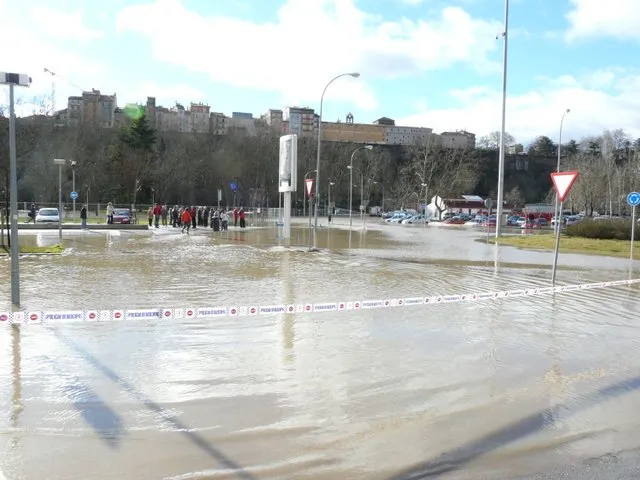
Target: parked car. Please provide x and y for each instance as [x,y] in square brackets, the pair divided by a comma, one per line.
[535,224]
[48,215]
[455,221]
[122,215]
[421,219]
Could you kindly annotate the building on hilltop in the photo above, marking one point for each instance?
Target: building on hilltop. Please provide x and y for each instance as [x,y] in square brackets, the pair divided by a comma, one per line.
[90,108]
[218,123]
[349,131]
[178,118]
[458,139]
[299,120]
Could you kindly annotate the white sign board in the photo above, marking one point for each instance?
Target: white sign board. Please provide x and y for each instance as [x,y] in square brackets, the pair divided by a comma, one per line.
[288,167]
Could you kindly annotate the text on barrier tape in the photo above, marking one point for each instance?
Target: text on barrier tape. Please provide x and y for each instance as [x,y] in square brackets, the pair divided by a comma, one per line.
[243,311]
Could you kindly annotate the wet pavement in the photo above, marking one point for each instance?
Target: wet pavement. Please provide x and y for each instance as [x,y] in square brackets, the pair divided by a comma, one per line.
[502,389]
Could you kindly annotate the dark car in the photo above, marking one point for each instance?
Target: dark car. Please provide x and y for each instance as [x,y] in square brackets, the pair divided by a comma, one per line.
[122,215]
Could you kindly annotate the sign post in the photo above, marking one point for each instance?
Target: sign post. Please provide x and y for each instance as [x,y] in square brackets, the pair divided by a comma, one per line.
[308,185]
[288,179]
[488,203]
[633,199]
[562,182]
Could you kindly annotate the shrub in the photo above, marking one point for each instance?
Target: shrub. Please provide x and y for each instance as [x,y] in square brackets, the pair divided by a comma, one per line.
[614,229]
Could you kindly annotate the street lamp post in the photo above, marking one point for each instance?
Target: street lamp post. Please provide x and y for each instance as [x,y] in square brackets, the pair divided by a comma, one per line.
[73,186]
[557,207]
[500,202]
[368,147]
[315,226]
[329,210]
[21,80]
[60,162]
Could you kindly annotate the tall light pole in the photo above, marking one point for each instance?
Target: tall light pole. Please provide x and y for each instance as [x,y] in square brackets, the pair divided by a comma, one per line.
[557,207]
[60,162]
[73,186]
[368,147]
[315,225]
[21,80]
[381,186]
[329,203]
[500,201]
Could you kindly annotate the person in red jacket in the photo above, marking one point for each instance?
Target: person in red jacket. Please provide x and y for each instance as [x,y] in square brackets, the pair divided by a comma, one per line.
[186,220]
[235,217]
[157,210]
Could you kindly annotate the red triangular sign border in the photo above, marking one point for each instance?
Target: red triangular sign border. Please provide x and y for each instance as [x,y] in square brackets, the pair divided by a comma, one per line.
[563,190]
[308,183]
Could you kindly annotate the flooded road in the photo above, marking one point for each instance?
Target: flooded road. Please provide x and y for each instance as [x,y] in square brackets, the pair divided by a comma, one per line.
[498,389]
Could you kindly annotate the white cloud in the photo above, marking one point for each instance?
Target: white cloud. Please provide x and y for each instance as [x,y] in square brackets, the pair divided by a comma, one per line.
[62,25]
[37,49]
[312,41]
[595,18]
[538,112]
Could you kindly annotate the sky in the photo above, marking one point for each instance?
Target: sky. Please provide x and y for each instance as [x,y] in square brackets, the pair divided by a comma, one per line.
[425,63]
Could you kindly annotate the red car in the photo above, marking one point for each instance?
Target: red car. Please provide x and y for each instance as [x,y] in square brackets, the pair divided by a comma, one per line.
[121,216]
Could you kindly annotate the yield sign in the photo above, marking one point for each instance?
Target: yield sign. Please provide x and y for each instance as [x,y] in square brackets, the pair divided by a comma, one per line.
[308,183]
[563,181]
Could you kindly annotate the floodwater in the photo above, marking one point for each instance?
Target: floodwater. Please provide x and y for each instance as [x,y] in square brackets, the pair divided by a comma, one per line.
[497,389]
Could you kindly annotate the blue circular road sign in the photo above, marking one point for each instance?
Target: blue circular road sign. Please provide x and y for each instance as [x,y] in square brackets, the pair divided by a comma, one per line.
[74,195]
[633,199]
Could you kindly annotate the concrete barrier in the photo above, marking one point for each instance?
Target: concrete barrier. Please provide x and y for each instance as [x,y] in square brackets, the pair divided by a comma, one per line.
[77,226]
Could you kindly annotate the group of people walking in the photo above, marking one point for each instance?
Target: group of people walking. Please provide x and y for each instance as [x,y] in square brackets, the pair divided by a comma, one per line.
[193,217]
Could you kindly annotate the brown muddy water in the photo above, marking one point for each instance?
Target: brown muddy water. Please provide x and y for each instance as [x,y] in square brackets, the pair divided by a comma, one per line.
[497,389]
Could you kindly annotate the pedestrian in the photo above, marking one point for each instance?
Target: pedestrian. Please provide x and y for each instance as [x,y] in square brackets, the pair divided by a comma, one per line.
[224,220]
[235,217]
[186,220]
[83,217]
[150,216]
[32,214]
[242,215]
[193,212]
[109,213]
[216,221]
[157,211]
[164,214]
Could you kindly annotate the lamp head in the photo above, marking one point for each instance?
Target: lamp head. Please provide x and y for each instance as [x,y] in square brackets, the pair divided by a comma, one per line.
[355,74]
[369,147]
[568,110]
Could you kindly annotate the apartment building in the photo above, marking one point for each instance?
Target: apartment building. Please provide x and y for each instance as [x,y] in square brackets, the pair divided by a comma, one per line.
[91,108]
[300,120]
[218,123]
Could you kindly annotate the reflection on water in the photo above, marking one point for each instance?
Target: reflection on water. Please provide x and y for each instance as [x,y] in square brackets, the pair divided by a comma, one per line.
[487,390]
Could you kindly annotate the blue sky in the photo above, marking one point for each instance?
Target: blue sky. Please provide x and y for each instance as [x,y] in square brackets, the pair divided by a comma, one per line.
[432,63]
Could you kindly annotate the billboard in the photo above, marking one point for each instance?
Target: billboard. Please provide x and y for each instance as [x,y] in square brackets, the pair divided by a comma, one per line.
[288,166]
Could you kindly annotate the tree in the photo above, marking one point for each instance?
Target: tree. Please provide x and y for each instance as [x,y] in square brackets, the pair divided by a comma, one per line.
[492,141]
[571,147]
[131,157]
[543,146]
[514,197]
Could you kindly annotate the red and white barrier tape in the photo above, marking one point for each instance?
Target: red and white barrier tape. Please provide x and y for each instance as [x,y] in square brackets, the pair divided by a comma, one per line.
[243,311]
